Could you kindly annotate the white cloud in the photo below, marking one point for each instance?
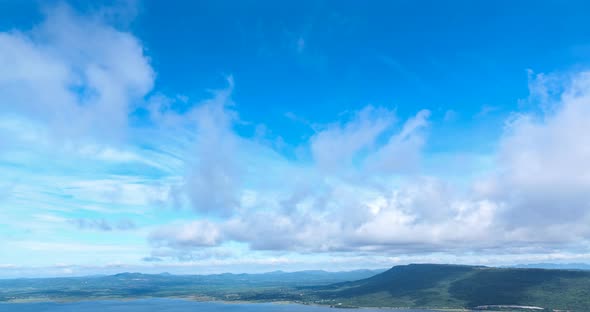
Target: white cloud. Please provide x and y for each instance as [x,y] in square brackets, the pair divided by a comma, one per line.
[362,191]
[117,190]
[403,151]
[103,224]
[544,173]
[213,181]
[540,180]
[70,247]
[335,147]
[211,157]
[195,234]
[319,210]
[77,75]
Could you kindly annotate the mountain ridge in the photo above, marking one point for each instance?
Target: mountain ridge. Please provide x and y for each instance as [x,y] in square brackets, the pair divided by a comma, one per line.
[464,286]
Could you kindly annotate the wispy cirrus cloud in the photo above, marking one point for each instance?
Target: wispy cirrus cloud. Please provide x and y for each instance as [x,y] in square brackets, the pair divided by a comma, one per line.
[103,225]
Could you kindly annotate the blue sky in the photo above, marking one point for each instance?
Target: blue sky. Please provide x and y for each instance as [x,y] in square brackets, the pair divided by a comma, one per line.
[220,136]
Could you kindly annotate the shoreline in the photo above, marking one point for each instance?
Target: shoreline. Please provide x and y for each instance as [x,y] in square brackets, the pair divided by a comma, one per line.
[236,302]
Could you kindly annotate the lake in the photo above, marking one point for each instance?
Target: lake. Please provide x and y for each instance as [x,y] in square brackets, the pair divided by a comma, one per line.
[167,305]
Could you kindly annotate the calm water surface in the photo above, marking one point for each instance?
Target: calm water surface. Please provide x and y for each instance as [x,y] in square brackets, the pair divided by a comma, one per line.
[168,305]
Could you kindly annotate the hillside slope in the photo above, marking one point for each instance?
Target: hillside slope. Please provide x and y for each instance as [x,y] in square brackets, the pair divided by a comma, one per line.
[433,285]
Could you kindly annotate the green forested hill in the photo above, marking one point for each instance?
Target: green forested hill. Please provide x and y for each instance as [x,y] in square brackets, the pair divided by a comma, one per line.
[433,285]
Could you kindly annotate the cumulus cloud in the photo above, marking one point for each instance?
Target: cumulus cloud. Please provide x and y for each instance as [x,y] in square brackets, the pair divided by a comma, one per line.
[317,211]
[535,199]
[213,181]
[544,174]
[420,216]
[76,75]
[213,164]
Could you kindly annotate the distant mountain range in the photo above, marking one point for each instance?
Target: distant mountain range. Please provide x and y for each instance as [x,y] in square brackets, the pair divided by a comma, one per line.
[307,277]
[554,266]
[226,286]
[415,285]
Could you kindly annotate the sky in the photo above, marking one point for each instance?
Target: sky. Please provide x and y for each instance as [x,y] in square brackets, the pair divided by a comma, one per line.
[253,136]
